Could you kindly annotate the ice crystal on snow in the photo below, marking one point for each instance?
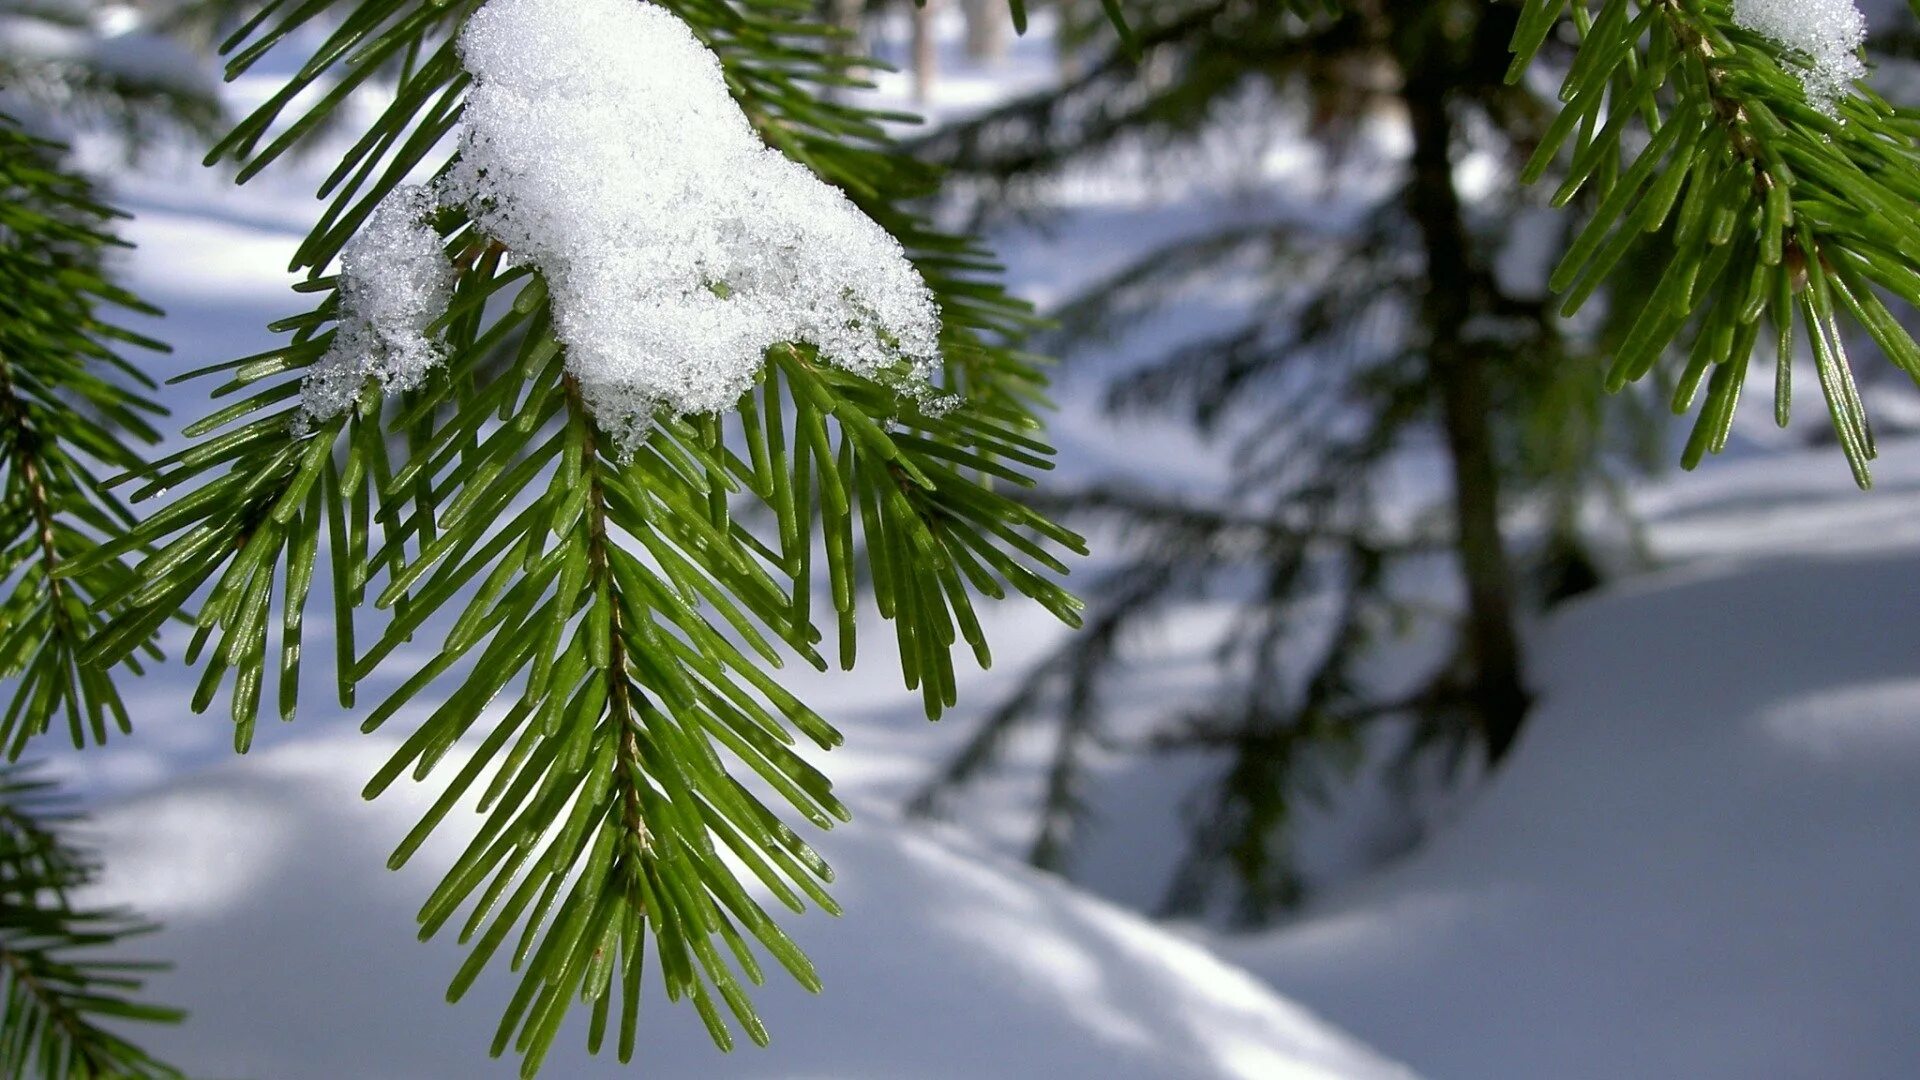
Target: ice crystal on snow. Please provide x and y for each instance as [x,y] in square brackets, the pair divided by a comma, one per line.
[601,145]
[1829,32]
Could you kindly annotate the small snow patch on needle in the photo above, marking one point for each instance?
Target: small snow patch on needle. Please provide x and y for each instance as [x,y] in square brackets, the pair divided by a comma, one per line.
[1829,32]
[601,146]
[394,282]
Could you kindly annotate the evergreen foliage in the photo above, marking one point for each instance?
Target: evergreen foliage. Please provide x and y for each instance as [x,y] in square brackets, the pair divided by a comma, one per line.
[70,406]
[1782,216]
[626,610]
[61,996]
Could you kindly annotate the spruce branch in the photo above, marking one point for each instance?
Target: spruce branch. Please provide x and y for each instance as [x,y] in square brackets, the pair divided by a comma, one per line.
[625,605]
[61,997]
[68,405]
[1780,218]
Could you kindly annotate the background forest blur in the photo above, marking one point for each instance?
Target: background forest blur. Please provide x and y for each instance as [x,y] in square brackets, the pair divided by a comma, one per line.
[1319,264]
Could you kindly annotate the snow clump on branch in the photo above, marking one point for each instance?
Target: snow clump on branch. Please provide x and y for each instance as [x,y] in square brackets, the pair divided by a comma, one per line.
[600,145]
[394,282]
[1829,32]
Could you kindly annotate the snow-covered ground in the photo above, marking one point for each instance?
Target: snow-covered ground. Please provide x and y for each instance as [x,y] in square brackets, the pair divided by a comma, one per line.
[1700,862]
[291,944]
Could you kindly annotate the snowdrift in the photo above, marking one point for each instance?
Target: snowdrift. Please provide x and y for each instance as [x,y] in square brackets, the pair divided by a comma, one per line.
[1702,860]
[293,947]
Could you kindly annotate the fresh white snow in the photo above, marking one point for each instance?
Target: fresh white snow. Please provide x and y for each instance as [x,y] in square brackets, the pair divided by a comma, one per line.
[1700,861]
[394,282]
[1829,32]
[600,144]
[292,946]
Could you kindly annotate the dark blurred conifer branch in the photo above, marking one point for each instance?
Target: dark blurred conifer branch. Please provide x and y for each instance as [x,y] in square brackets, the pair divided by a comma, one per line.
[1698,176]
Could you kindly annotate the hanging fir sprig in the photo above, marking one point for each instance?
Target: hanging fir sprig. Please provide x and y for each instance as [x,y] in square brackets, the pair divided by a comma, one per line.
[604,584]
[69,404]
[59,996]
[1786,191]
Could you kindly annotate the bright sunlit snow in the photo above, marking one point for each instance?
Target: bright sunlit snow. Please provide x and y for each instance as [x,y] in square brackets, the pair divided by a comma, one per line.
[1699,861]
[1829,32]
[394,282]
[949,964]
[601,145]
